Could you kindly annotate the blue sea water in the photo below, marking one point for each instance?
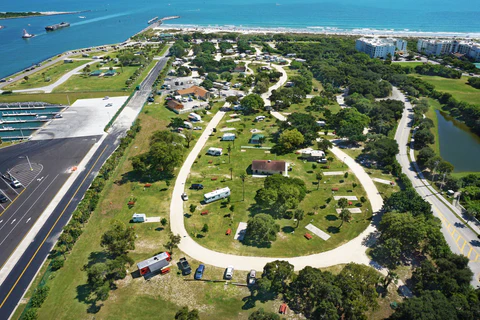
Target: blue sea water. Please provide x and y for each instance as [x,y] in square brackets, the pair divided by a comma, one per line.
[115,20]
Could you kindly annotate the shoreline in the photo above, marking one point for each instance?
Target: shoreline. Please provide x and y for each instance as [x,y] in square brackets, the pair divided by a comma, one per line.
[318,31]
[45,13]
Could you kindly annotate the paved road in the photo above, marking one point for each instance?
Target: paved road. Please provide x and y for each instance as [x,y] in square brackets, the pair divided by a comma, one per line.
[459,237]
[353,251]
[63,79]
[20,277]
[52,160]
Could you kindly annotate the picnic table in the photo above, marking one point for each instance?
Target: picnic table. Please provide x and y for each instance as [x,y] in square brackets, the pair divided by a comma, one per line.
[214,178]
[283,308]
[308,236]
[204,213]
[229,231]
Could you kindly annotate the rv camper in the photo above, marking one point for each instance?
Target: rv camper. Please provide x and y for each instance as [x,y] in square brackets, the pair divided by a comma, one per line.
[214,151]
[216,195]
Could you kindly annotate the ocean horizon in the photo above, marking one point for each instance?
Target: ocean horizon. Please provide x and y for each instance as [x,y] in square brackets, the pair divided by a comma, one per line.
[114,22]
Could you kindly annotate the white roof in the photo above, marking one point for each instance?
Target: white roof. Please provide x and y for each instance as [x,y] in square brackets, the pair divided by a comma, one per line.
[215,149]
[136,215]
[229,134]
[217,192]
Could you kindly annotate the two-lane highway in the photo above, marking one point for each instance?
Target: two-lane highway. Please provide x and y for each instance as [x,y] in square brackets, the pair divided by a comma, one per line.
[460,238]
[16,283]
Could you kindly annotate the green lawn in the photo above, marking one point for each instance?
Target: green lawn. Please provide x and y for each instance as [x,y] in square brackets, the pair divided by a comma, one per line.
[37,79]
[412,64]
[57,98]
[290,241]
[458,88]
[431,114]
[135,297]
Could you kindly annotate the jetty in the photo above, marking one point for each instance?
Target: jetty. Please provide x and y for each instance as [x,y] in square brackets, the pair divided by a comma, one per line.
[154,24]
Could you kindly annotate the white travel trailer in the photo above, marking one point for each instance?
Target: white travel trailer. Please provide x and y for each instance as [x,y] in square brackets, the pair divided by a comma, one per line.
[215,151]
[139,217]
[187,125]
[194,117]
[216,195]
[228,137]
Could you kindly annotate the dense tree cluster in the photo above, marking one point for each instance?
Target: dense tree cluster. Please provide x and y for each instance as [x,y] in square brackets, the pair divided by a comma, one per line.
[474,82]
[261,230]
[349,123]
[165,153]
[320,294]
[304,123]
[438,70]
[208,63]
[280,193]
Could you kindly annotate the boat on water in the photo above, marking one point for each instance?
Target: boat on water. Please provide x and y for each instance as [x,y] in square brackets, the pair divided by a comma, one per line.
[82,17]
[57,26]
[40,117]
[152,20]
[27,35]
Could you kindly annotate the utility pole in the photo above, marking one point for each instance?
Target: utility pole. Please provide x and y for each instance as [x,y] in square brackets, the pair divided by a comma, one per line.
[31,169]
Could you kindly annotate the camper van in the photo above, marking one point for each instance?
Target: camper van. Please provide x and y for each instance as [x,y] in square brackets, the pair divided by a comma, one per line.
[259,118]
[187,125]
[216,195]
[214,151]
[139,217]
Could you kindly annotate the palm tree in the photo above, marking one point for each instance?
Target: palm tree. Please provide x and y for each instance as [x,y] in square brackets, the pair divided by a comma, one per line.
[345,215]
[319,177]
[231,173]
[299,214]
[243,176]
[229,149]
[343,203]
[43,75]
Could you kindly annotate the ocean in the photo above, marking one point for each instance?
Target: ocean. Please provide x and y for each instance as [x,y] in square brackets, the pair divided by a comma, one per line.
[114,21]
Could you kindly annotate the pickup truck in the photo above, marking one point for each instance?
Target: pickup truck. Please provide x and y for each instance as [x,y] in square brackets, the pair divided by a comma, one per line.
[185,266]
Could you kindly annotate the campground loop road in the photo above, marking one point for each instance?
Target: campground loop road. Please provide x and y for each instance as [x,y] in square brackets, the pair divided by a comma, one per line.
[352,251]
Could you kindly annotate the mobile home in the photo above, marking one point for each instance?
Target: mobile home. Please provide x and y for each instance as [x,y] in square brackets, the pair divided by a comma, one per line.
[214,151]
[216,195]
[187,125]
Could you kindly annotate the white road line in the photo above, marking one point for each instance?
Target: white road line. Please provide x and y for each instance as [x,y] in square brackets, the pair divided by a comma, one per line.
[2,207]
[8,184]
[26,212]
[24,202]
[28,220]
[5,195]
[13,221]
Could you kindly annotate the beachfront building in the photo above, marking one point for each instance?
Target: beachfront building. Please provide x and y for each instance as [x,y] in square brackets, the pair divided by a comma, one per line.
[438,47]
[381,47]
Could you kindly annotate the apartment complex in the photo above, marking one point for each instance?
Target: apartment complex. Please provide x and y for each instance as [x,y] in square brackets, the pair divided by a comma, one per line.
[442,47]
[380,47]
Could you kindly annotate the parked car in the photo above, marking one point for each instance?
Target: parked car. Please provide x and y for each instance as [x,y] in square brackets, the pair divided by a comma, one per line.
[184,196]
[229,273]
[185,266]
[15,183]
[199,272]
[3,198]
[251,278]
[3,80]
[106,98]
[197,128]
[196,186]
[109,105]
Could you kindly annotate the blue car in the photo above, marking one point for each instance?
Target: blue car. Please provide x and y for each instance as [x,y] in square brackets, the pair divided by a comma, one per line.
[199,272]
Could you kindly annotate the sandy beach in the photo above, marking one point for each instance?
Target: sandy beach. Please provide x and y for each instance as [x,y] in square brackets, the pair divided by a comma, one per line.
[317,30]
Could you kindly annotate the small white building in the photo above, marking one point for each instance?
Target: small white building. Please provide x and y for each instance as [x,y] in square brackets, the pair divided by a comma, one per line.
[215,151]
[321,123]
[216,195]
[139,217]
[311,154]
[228,137]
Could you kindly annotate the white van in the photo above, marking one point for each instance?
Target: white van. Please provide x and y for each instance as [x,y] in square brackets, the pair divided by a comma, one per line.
[259,118]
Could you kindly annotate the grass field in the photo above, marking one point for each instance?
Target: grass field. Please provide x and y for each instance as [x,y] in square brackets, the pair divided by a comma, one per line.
[53,72]
[135,297]
[431,114]
[458,88]
[57,98]
[290,241]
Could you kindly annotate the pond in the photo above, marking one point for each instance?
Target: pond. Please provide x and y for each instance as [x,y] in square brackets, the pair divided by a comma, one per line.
[458,145]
